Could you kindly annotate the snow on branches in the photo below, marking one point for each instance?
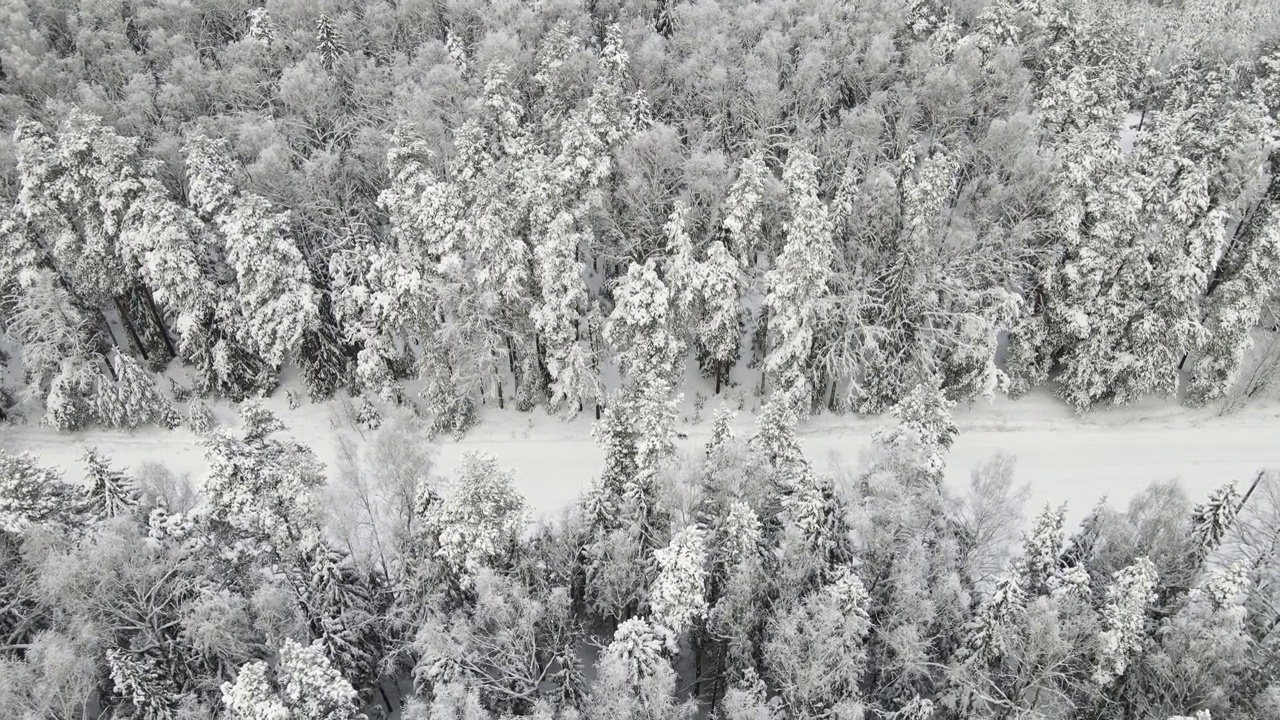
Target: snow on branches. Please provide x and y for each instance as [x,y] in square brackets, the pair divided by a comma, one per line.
[480,516]
[678,597]
[1124,613]
[798,280]
[306,687]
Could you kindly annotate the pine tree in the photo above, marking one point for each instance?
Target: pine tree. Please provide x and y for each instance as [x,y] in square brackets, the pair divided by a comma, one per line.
[682,273]
[31,495]
[634,680]
[985,635]
[111,492]
[140,682]
[719,332]
[77,189]
[645,342]
[328,43]
[1124,618]
[743,214]
[678,597]
[261,26]
[1211,519]
[559,319]
[51,326]
[277,302]
[1040,564]
[740,534]
[306,686]
[261,488]
[798,281]
[340,609]
[479,518]
[137,399]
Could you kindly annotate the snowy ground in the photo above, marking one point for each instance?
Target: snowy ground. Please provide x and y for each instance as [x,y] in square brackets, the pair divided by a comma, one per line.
[1061,456]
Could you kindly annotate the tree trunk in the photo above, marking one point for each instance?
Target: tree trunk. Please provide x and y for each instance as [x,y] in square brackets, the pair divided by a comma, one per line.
[159,322]
[128,326]
[1250,221]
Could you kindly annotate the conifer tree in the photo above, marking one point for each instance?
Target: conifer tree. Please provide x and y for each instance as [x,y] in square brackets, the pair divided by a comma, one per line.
[479,518]
[1124,619]
[278,305]
[31,495]
[306,686]
[719,332]
[678,597]
[798,282]
[328,43]
[111,492]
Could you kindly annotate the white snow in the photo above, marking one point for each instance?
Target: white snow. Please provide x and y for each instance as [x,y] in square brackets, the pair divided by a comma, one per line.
[1060,455]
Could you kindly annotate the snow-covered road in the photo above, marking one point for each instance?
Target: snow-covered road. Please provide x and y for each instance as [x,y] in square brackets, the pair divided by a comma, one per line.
[1076,465]
[1061,456]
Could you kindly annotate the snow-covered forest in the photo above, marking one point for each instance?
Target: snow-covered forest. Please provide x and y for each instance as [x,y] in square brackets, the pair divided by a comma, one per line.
[634,215]
[566,206]
[733,582]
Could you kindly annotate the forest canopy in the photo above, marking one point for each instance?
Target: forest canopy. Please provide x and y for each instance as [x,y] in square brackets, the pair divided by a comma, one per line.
[735,581]
[442,206]
[461,203]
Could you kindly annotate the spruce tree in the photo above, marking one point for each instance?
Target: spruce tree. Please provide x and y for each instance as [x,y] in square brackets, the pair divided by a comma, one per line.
[111,492]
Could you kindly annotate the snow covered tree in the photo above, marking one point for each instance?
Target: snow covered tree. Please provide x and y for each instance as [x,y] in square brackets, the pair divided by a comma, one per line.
[77,189]
[278,304]
[166,243]
[743,213]
[328,43]
[340,606]
[1240,285]
[111,492]
[503,645]
[480,516]
[306,686]
[647,346]
[718,333]
[260,488]
[634,681]
[927,412]
[558,315]
[740,534]
[637,432]
[1039,566]
[137,399]
[1199,655]
[984,641]
[31,495]
[815,653]
[251,696]
[138,680]
[798,281]
[678,597]
[1212,519]
[261,26]
[682,274]
[1132,589]
[107,227]
[51,326]
[775,434]
[612,107]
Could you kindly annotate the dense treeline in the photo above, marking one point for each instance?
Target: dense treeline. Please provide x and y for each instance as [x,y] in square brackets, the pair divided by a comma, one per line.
[735,583]
[458,202]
